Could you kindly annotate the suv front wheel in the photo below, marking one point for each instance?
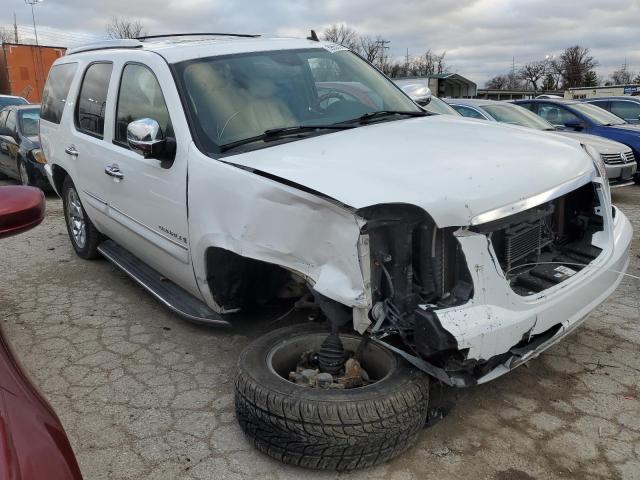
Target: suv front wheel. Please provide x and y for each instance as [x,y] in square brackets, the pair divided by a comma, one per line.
[84,236]
[327,429]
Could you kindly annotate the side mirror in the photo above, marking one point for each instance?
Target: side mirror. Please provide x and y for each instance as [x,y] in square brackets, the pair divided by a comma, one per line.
[574,124]
[21,209]
[145,137]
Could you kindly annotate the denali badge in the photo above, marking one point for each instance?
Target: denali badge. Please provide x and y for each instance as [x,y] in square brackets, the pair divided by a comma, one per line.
[175,235]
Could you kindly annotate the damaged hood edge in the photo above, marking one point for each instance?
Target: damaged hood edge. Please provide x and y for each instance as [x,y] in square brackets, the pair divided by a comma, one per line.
[363,167]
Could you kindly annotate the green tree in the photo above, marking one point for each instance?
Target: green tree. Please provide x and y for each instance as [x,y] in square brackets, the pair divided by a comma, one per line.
[590,79]
[549,82]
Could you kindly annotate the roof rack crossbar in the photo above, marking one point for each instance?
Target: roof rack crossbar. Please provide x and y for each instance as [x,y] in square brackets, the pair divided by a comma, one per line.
[206,34]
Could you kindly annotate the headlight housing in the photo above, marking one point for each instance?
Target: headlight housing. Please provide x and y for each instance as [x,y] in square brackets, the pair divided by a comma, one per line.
[38,156]
[597,160]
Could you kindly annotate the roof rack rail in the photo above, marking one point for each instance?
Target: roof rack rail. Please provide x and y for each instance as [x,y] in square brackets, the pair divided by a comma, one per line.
[107,44]
[204,34]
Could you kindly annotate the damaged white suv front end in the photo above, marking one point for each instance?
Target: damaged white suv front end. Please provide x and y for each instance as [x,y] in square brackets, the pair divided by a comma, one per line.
[465,261]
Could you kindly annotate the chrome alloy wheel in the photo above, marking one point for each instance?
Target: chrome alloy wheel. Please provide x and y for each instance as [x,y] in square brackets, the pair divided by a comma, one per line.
[75,219]
[24,175]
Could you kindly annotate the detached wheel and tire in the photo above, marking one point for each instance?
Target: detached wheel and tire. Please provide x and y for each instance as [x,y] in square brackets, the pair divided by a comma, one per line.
[327,429]
[83,234]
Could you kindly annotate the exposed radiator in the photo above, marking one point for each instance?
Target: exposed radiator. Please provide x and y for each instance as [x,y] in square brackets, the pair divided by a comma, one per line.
[523,240]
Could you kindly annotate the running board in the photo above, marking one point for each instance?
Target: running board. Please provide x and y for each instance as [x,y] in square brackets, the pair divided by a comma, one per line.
[171,295]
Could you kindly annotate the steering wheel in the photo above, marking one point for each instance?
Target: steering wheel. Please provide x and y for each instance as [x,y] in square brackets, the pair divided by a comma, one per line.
[333,94]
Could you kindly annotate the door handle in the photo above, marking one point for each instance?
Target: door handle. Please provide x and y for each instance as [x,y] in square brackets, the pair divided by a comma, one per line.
[114,171]
[71,150]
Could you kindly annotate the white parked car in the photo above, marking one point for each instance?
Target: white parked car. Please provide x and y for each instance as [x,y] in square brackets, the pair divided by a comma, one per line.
[215,173]
[619,161]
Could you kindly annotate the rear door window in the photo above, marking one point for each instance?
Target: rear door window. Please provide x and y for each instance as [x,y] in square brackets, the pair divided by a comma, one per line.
[54,96]
[602,104]
[630,111]
[92,101]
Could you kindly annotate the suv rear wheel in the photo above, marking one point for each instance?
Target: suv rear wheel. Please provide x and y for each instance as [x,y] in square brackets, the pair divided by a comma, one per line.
[84,236]
[327,429]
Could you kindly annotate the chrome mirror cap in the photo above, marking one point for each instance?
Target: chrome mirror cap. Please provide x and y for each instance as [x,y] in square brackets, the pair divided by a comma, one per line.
[145,137]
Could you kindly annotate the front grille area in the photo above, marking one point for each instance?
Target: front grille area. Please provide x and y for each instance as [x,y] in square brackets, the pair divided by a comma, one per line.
[617,158]
[548,244]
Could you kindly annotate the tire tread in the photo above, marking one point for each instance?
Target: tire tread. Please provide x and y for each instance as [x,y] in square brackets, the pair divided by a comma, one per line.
[343,435]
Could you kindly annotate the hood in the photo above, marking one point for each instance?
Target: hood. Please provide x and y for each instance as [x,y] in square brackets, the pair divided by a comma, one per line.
[453,168]
[601,144]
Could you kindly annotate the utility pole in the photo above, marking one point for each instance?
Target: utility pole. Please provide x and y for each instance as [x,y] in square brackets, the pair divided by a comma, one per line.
[383,47]
[406,63]
[15,28]
[38,55]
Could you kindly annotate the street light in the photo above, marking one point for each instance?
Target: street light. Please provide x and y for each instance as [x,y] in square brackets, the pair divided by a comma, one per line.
[35,32]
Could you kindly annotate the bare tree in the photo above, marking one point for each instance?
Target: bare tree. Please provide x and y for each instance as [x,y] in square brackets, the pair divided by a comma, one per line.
[622,76]
[6,35]
[125,28]
[637,79]
[373,49]
[556,70]
[499,82]
[533,72]
[342,35]
[576,62]
[440,65]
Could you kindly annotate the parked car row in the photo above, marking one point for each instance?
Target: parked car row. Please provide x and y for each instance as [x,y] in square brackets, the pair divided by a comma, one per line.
[591,122]
[620,163]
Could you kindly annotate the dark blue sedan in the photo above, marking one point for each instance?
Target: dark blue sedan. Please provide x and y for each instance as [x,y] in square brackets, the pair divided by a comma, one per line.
[20,155]
[587,118]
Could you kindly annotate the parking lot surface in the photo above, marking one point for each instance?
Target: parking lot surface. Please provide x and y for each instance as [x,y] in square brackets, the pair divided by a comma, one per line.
[145,395]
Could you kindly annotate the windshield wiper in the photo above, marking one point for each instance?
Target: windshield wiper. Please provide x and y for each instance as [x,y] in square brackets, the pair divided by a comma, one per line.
[388,113]
[277,133]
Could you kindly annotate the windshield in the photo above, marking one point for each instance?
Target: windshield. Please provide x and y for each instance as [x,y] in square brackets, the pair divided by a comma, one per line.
[29,121]
[516,115]
[597,115]
[436,105]
[236,97]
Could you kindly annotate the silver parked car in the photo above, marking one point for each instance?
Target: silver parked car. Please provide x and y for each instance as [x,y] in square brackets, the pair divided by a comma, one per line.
[618,158]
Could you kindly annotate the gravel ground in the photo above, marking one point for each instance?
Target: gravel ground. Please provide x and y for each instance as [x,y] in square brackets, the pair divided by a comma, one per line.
[144,395]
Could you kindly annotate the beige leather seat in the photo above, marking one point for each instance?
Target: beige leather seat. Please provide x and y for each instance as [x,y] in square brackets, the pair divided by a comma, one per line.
[217,102]
[268,110]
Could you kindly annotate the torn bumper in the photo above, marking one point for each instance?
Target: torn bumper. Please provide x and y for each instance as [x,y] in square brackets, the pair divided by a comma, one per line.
[497,319]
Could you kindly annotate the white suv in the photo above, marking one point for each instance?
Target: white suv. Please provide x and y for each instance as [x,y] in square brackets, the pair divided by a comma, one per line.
[225,172]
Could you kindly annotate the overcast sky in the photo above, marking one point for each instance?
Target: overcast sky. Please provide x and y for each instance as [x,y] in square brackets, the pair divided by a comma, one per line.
[479,36]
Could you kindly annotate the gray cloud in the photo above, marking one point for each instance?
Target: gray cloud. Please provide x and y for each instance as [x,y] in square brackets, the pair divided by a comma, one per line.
[480,36]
